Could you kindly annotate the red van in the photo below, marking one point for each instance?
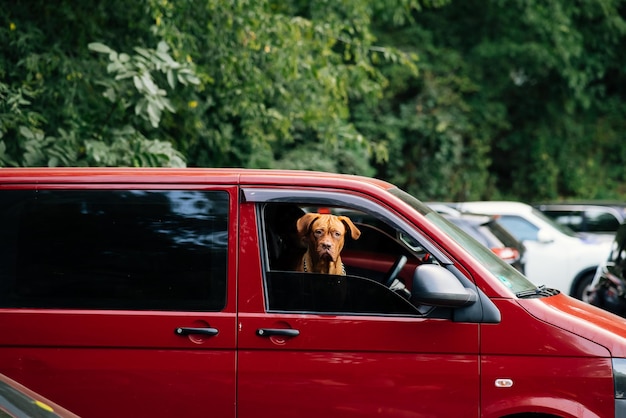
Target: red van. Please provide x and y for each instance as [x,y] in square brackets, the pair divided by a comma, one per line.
[170,293]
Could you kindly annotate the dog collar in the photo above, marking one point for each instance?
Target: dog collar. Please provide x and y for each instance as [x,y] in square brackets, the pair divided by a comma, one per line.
[343,267]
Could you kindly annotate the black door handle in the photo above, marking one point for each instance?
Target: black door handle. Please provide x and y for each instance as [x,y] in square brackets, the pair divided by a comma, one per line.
[269,332]
[188,331]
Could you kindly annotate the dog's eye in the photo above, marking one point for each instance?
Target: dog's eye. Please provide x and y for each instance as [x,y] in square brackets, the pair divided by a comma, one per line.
[318,232]
[337,234]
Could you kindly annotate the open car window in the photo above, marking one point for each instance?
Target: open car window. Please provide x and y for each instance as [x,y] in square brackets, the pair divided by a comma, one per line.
[367,262]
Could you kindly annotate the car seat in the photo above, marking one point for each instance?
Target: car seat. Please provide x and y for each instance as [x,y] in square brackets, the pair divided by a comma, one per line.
[285,249]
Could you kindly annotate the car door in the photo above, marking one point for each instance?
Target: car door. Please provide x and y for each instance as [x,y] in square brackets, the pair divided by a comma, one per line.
[343,346]
[120,301]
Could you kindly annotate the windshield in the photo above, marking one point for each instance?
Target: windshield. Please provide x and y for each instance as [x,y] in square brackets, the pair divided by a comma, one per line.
[502,271]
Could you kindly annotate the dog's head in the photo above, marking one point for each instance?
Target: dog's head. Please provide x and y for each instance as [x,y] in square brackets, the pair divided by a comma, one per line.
[325,234]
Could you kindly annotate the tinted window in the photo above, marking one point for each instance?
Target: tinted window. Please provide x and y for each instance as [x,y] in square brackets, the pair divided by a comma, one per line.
[590,220]
[573,219]
[599,220]
[519,227]
[617,258]
[130,249]
[474,231]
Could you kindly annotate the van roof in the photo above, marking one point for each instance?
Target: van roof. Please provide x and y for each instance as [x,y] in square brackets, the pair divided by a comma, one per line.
[495,207]
[108,175]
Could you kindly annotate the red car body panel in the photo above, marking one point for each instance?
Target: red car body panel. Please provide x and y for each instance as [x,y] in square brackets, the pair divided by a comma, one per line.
[536,359]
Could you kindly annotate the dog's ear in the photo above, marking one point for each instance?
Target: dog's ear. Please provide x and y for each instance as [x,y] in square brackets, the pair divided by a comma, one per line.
[354,231]
[304,222]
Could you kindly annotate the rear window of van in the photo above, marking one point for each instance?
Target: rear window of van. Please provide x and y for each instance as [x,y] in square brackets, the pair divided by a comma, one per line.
[113,249]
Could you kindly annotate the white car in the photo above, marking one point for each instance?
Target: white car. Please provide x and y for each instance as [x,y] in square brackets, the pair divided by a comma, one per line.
[555,255]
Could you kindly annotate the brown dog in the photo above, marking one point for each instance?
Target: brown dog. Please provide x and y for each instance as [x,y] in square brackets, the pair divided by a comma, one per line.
[324,236]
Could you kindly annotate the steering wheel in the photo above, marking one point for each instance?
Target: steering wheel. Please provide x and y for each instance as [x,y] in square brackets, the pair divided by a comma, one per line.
[395,269]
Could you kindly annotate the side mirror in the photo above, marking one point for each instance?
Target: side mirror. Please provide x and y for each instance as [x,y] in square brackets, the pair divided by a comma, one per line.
[435,286]
[544,236]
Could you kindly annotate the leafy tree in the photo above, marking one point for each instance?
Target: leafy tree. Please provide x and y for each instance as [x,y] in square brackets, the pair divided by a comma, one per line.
[240,83]
[279,78]
[448,99]
[543,71]
[438,144]
[58,103]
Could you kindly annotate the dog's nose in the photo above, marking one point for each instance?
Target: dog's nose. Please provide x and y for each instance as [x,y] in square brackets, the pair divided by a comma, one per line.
[326,246]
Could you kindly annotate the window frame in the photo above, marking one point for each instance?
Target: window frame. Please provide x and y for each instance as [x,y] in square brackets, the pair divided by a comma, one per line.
[315,197]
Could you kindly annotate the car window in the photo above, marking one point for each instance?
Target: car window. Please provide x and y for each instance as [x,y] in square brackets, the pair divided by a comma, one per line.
[563,229]
[494,241]
[599,220]
[519,227]
[507,239]
[475,231]
[113,249]
[573,219]
[617,256]
[366,261]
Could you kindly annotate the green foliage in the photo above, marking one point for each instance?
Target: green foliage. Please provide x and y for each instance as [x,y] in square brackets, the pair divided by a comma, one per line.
[547,64]
[276,77]
[527,93]
[152,99]
[448,99]
[437,143]
[52,111]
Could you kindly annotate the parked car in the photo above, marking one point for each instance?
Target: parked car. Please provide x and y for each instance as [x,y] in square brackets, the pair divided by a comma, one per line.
[608,290]
[168,293]
[443,208]
[483,228]
[18,401]
[486,230]
[593,217]
[555,255]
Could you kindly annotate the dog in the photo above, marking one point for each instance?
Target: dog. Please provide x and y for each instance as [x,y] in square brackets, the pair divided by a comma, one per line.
[323,235]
